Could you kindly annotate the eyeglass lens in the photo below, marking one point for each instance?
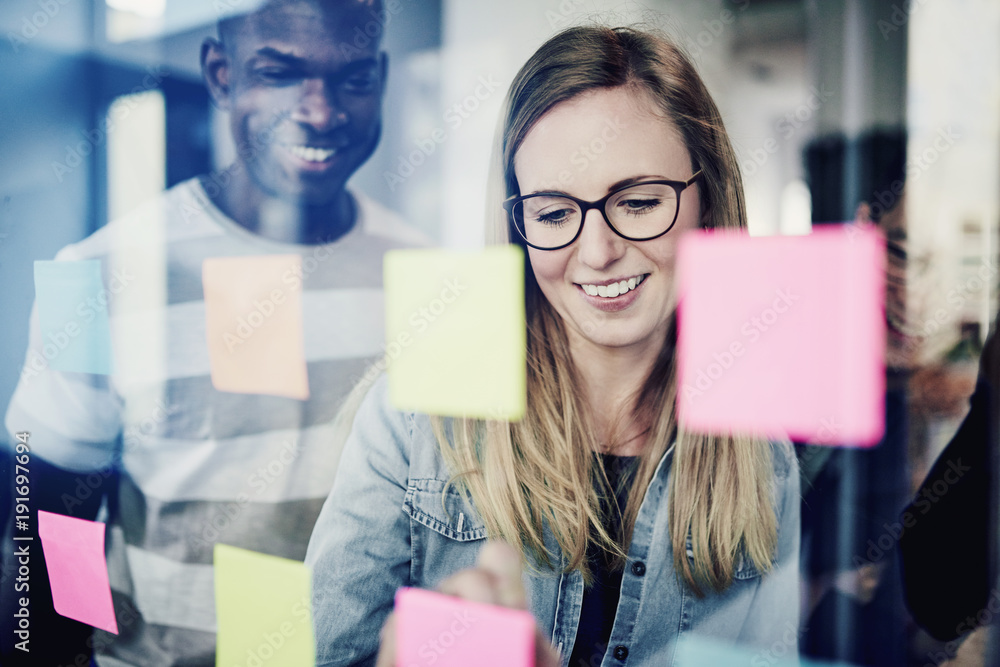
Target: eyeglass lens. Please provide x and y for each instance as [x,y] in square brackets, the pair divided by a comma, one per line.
[639,212]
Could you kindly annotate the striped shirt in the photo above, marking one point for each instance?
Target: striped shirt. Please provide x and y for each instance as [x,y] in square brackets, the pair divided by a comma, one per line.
[199,465]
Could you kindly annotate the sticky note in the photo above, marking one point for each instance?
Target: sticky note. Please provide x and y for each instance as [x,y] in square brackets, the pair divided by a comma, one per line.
[78,571]
[455,332]
[695,651]
[432,628]
[253,321]
[263,609]
[783,336]
[72,304]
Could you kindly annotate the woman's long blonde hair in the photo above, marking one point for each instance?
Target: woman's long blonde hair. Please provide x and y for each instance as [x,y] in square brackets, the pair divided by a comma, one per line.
[541,473]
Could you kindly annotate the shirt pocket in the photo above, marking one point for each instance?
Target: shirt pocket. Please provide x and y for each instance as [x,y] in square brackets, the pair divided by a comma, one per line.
[445,512]
[744,568]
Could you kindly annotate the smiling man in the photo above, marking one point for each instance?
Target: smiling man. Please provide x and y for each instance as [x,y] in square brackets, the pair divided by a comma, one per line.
[305,112]
[179,464]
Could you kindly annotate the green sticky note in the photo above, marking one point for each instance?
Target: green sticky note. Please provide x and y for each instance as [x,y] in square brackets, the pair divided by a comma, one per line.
[262,605]
[455,332]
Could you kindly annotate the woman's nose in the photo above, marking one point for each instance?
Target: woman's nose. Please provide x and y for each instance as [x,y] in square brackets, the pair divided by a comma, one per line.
[599,246]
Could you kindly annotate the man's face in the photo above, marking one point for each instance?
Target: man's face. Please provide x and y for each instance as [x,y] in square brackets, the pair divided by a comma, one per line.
[305,93]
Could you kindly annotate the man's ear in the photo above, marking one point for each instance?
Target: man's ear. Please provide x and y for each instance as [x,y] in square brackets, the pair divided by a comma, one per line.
[215,71]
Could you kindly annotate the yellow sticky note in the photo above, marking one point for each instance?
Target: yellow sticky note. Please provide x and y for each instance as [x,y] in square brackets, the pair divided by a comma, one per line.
[263,609]
[455,332]
[253,321]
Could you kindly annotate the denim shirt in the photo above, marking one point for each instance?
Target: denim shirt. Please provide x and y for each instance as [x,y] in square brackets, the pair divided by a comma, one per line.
[386,525]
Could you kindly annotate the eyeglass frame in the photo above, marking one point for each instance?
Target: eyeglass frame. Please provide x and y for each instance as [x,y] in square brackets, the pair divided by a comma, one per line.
[587,206]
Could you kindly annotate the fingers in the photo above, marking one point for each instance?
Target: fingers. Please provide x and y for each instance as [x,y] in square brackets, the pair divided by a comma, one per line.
[504,563]
[477,585]
[387,648]
[545,655]
[496,579]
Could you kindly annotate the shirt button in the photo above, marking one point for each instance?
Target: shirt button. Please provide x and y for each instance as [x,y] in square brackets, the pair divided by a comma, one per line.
[638,568]
[621,652]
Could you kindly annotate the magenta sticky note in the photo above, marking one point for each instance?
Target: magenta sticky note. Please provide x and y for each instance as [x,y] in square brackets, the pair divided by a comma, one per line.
[783,336]
[78,571]
[432,628]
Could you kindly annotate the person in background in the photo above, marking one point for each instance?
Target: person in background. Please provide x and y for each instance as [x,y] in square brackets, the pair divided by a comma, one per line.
[948,548]
[180,465]
[632,532]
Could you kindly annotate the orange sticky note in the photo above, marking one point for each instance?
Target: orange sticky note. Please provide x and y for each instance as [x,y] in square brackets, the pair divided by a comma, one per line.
[783,336]
[253,321]
[78,571]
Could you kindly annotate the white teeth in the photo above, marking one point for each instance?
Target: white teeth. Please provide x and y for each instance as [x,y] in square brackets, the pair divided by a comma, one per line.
[614,289]
[310,154]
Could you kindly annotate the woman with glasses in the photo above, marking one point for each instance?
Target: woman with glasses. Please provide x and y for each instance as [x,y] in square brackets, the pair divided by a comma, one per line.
[632,532]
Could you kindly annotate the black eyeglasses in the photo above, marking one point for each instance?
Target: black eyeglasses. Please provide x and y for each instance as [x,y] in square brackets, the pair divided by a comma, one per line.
[637,212]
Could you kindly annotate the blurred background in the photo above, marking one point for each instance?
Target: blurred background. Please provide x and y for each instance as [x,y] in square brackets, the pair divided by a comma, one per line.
[881,110]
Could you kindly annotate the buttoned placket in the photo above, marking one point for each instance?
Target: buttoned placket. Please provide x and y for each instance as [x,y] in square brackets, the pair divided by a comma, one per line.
[570,592]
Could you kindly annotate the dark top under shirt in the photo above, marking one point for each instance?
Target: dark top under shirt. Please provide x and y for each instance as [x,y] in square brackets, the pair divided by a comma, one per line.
[600,600]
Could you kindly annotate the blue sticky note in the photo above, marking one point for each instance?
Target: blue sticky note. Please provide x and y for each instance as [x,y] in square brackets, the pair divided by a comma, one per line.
[694,651]
[72,306]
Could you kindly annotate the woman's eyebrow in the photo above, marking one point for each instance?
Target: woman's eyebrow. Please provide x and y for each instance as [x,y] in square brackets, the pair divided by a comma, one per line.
[635,179]
[548,191]
[614,186]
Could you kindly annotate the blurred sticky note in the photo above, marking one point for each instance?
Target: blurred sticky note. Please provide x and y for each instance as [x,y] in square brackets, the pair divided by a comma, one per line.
[455,332]
[263,609]
[72,304]
[695,651]
[253,321]
[432,628]
[783,336]
[78,571]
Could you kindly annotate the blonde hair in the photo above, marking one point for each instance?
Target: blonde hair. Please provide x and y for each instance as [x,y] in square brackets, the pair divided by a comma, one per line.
[540,474]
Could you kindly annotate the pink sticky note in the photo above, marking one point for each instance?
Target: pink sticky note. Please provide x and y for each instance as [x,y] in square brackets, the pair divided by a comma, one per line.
[783,336]
[432,628]
[78,572]
[253,321]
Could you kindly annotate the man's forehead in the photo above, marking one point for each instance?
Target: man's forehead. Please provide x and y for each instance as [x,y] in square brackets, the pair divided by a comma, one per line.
[308,28]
